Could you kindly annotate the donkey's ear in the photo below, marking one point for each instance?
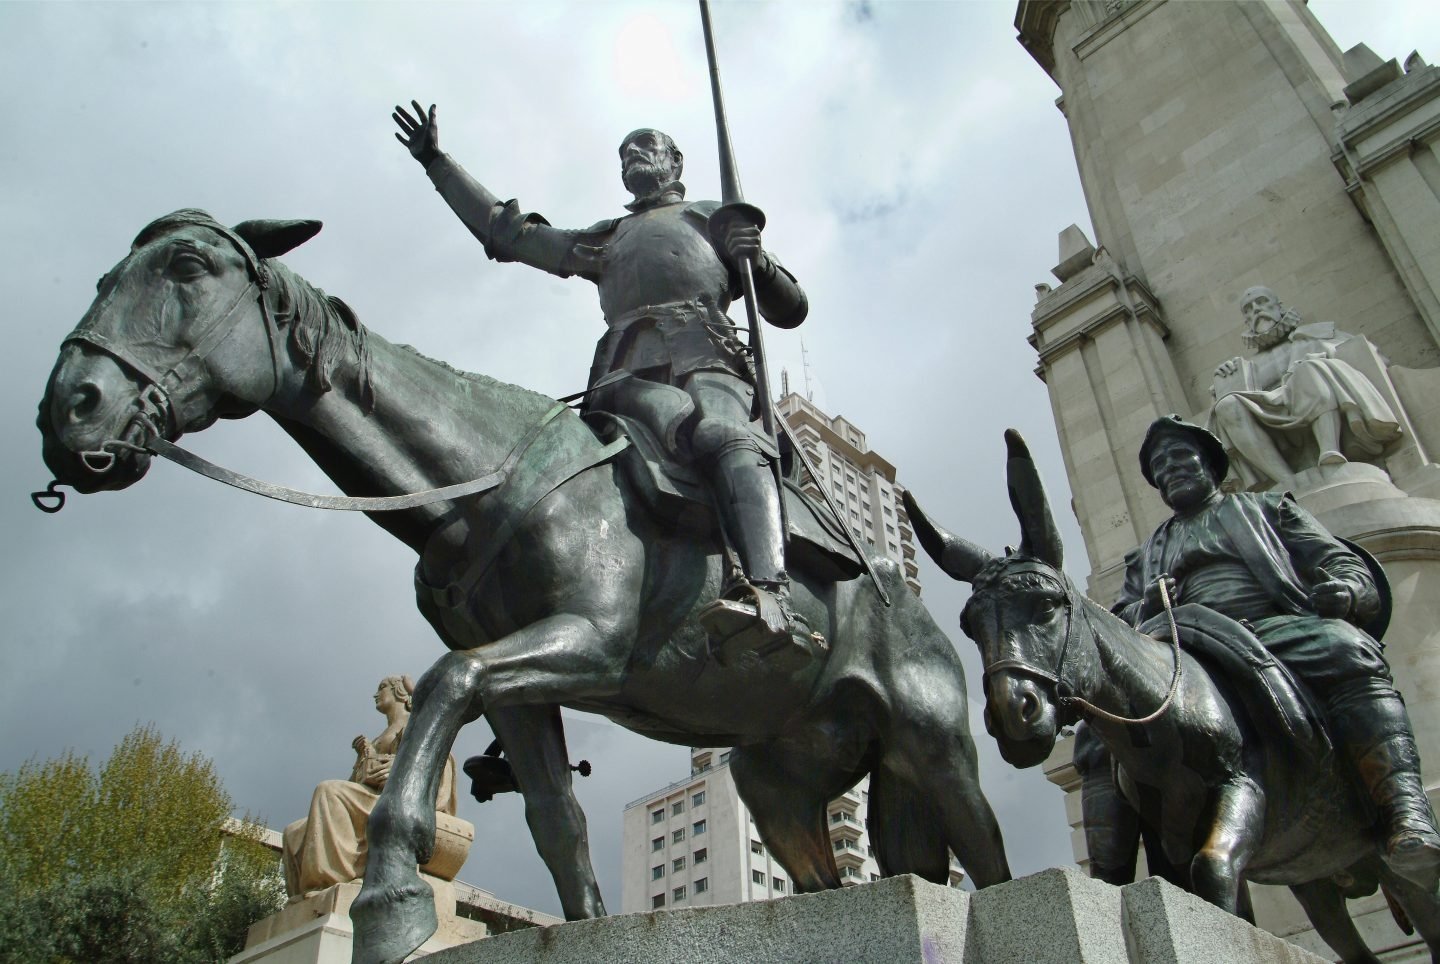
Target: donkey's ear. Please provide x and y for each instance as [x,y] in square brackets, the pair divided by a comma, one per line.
[271,239]
[958,558]
[1039,539]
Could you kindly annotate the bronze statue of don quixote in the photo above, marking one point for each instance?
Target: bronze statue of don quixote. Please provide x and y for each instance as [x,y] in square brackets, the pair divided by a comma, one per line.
[649,557]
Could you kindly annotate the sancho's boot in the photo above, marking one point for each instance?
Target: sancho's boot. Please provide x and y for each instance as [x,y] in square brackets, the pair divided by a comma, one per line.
[755,614]
[1375,735]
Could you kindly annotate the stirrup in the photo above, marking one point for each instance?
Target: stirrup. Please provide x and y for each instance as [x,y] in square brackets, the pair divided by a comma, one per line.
[766,628]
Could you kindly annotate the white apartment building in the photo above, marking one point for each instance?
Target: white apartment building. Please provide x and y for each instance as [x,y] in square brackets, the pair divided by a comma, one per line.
[860,482]
[694,843]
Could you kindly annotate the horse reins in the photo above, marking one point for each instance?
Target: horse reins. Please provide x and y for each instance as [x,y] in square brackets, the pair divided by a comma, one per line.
[157,411]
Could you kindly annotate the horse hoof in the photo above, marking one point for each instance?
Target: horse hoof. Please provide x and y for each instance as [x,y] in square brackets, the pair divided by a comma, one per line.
[389,927]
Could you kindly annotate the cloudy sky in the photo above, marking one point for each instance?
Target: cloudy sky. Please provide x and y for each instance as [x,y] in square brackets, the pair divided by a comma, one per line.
[915,173]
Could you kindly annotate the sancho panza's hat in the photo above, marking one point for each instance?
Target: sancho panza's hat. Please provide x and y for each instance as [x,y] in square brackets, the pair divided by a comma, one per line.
[1211,448]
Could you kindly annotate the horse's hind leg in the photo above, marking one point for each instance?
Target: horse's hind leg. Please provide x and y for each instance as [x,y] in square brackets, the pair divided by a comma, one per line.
[788,792]
[1325,906]
[534,739]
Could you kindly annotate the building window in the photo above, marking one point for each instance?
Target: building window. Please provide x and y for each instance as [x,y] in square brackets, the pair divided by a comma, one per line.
[678,835]
[678,864]
[697,799]
[657,872]
[757,877]
[756,847]
[701,855]
[678,894]
[837,816]
[658,900]
[656,844]
[699,827]
[657,815]
[874,877]
[725,757]
[677,808]
[778,883]
[702,885]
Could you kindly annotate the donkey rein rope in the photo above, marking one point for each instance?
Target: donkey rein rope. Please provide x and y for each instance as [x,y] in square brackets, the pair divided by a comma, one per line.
[1174,679]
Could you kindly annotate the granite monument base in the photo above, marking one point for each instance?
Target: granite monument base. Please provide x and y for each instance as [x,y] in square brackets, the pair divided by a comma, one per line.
[317,928]
[1055,916]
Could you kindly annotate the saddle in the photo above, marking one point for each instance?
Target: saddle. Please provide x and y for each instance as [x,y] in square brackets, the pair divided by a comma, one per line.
[677,497]
[1277,702]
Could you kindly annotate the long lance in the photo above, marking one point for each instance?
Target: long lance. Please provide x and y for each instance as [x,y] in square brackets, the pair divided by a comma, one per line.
[733,208]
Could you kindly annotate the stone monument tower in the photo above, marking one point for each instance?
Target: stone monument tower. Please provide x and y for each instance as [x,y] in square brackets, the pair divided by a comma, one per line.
[1266,215]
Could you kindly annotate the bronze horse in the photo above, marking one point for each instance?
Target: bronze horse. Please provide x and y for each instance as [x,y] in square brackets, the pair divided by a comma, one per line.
[1192,772]
[578,597]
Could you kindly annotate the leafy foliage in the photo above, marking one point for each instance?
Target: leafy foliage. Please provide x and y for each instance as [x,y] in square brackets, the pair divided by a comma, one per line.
[127,863]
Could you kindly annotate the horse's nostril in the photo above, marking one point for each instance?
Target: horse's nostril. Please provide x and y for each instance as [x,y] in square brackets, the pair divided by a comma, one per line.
[1029,708]
[83,401]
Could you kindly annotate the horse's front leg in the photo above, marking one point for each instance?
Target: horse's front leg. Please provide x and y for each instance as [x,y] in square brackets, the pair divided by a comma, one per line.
[1235,816]
[546,662]
[534,739]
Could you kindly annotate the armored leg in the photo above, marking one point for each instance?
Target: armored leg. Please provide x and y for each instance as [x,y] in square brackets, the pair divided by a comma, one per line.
[747,499]
[1372,729]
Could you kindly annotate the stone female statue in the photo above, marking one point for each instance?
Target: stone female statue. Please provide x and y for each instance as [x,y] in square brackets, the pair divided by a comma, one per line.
[329,846]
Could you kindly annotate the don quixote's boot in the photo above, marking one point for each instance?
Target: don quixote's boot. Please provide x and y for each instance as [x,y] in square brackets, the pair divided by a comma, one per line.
[1376,737]
[754,614]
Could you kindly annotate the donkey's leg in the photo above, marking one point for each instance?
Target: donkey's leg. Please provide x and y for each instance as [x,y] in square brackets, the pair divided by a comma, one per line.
[1325,906]
[1420,905]
[928,774]
[1236,818]
[787,790]
[546,662]
[534,739]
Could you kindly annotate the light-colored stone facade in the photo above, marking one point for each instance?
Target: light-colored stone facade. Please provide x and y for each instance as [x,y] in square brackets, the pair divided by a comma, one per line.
[1222,146]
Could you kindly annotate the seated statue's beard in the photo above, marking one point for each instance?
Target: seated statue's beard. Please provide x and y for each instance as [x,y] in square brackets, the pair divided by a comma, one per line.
[1261,340]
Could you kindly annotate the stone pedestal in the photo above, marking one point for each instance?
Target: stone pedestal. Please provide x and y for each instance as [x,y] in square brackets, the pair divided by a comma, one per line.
[1055,916]
[317,929]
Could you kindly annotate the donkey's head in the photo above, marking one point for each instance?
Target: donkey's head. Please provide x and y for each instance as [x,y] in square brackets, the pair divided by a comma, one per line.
[1019,613]
[177,336]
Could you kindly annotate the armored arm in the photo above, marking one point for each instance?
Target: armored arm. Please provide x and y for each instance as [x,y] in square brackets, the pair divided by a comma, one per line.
[507,233]
[781,299]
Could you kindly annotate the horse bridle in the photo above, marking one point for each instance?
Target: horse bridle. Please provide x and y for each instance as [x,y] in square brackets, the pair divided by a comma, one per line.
[1064,692]
[158,410]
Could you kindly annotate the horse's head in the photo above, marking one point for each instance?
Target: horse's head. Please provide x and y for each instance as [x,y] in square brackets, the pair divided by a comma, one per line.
[1019,613]
[144,360]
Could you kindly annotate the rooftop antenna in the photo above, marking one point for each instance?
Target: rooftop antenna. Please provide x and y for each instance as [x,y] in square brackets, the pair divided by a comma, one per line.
[784,382]
[805,370]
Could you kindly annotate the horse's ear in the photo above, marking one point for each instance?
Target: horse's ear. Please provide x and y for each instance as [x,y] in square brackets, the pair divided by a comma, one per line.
[959,558]
[1039,539]
[271,239]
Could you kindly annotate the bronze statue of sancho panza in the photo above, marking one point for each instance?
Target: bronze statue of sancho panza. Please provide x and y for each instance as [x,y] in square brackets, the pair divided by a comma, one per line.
[671,357]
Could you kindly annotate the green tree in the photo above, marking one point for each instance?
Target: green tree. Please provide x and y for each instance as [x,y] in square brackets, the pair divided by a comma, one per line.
[129,862]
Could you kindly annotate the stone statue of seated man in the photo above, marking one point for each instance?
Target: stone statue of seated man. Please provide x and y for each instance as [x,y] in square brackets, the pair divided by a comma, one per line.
[328,847]
[1293,404]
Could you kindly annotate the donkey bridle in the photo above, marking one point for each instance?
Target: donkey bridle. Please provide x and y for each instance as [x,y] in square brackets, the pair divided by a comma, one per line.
[1064,692]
